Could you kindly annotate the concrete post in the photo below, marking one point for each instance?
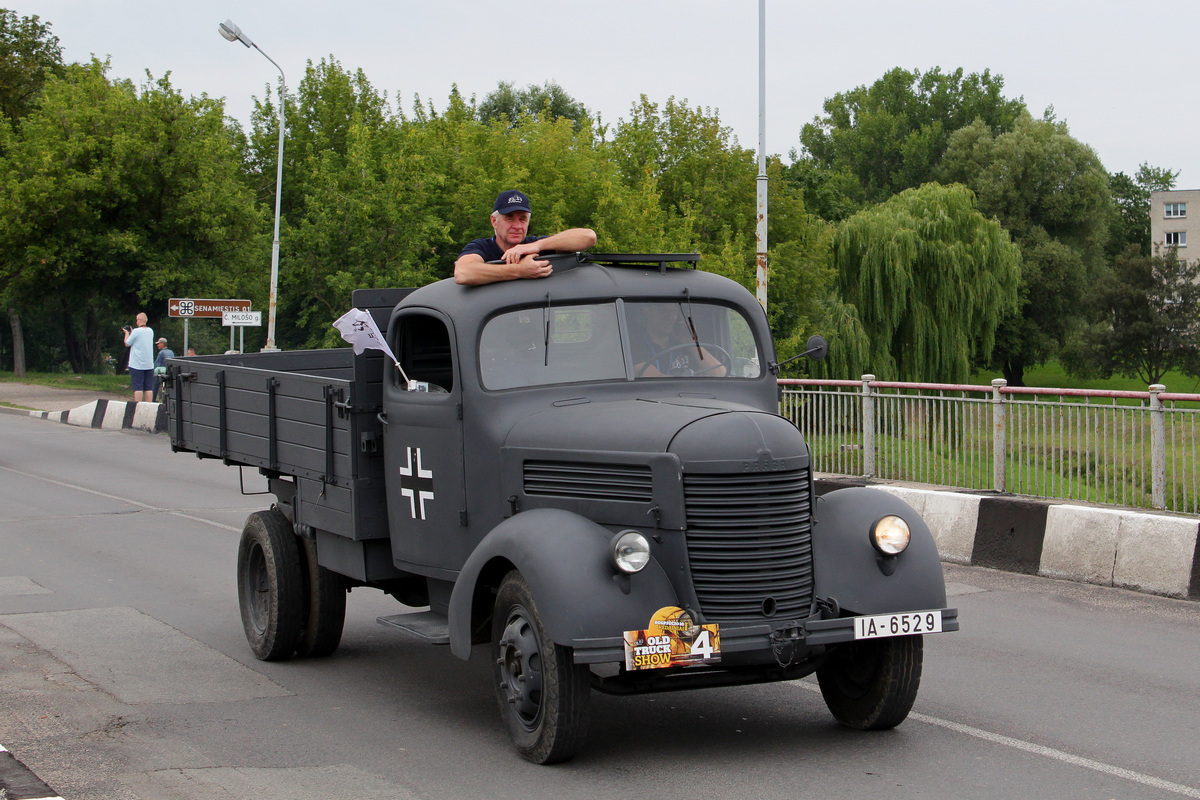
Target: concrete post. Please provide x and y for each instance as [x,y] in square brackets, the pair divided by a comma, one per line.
[1158,448]
[868,404]
[999,436]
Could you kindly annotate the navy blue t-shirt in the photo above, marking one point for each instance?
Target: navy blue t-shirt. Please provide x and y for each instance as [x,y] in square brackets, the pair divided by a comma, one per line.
[489,250]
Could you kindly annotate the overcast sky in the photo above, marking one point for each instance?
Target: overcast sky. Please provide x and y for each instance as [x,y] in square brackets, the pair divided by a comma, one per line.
[1119,73]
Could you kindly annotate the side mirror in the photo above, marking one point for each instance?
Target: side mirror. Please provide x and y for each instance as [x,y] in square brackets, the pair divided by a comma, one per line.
[816,347]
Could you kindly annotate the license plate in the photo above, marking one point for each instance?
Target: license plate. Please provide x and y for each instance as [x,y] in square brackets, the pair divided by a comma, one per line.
[906,624]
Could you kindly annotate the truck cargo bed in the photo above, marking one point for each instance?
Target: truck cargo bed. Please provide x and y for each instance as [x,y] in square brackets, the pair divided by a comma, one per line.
[309,414]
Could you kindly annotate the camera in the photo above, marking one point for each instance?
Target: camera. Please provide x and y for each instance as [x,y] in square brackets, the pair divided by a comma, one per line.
[126,328]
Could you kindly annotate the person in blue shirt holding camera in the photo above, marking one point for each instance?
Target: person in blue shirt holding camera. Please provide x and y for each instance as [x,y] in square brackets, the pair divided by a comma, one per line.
[140,341]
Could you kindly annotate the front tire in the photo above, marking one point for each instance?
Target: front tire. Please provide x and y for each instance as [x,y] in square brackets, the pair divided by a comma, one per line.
[543,695]
[871,685]
[270,588]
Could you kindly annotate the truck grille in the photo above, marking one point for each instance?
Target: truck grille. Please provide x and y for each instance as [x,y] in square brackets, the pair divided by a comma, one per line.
[749,540]
[631,483]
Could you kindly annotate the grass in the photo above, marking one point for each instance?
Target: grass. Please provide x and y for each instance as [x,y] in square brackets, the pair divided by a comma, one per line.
[113,384]
[1099,453]
[1053,376]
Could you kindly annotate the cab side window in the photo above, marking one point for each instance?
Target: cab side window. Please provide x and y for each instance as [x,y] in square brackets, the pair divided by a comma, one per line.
[422,345]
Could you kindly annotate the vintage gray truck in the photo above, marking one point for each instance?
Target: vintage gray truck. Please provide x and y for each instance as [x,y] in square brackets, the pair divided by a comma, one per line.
[586,473]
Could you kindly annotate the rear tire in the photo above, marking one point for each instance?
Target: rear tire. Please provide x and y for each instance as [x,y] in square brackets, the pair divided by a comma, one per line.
[543,695]
[270,586]
[325,606]
[871,685]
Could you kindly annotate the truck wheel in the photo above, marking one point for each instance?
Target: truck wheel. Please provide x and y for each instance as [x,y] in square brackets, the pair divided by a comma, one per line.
[871,685]
[543,694]
[325,605]
[270,586]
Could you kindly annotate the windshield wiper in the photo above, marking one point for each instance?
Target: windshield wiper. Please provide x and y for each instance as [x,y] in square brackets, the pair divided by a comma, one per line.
[546,344]
[692,325]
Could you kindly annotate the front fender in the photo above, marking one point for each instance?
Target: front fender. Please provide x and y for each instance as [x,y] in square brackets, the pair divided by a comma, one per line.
[848,569]
[565,560]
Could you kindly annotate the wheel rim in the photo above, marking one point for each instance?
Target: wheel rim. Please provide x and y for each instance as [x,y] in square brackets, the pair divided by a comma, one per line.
[258,592]
[858,669]
[520,665]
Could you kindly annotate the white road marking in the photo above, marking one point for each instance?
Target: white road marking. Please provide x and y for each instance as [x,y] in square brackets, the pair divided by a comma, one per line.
[1045,752]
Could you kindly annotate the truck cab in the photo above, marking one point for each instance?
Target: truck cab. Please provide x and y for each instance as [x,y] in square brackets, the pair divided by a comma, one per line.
[587,474]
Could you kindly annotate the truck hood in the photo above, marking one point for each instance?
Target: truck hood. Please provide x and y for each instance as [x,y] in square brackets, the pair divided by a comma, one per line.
[706,434]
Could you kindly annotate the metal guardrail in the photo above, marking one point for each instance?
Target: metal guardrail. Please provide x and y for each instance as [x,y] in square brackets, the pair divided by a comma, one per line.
[1136,449]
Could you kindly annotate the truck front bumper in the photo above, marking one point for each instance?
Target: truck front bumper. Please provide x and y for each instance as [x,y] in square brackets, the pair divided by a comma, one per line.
[765,637]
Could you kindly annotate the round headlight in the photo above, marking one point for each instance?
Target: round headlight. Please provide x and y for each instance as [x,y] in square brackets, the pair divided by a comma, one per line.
[631,551]
[690,628]
[890,535]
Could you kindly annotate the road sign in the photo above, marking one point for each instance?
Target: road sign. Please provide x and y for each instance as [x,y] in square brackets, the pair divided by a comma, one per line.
[187,307]
[252,318]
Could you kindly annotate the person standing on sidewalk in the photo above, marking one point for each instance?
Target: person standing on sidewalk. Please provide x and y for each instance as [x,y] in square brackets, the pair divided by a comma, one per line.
[140,342]
[160,364]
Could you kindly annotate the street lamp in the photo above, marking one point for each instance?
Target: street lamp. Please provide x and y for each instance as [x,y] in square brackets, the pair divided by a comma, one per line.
[760,233]
[234,34]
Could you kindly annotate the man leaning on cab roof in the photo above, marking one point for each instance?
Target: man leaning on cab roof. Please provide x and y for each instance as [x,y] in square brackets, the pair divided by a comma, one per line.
[511,246]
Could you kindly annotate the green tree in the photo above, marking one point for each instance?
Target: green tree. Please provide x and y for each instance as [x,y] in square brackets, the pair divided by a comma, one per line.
[364,225]
[929,279]
[336,213]
[1050,192]
[705,180]
[407,194]
[320,112]
[548,101]
[890,136]
[832,195]
[116,200]
[706,185]
[29,53]
[1147,320]
[1130,224]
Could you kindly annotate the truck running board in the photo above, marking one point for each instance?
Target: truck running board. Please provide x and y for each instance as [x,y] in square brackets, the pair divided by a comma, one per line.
[427,625]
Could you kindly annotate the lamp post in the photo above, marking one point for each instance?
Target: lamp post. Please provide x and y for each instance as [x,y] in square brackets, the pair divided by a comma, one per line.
[760,234]
[234,34]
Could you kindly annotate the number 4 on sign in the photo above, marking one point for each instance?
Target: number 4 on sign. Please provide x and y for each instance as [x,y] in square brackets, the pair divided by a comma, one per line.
[702,646]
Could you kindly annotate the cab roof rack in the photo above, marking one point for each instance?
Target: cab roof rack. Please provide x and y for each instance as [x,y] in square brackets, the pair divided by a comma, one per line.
[660,260]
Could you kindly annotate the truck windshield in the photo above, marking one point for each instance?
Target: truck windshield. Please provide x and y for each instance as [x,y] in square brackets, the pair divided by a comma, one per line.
[538,346]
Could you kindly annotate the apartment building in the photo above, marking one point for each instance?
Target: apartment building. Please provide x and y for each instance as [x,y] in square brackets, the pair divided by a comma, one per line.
[1172,225]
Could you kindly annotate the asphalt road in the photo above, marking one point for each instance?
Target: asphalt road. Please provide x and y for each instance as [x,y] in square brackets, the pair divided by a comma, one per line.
[124,674]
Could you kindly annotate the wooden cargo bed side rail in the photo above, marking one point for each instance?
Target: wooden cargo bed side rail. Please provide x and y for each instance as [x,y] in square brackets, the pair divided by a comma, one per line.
[302,422]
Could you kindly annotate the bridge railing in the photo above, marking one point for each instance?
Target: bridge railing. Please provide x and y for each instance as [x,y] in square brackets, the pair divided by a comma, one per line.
[1136,449]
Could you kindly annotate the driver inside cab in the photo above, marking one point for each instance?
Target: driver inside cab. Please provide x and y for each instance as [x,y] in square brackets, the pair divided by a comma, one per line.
[665,343]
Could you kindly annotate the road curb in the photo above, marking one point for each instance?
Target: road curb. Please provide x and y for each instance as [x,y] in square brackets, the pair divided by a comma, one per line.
[1142,551]
[18,781]
[112,415]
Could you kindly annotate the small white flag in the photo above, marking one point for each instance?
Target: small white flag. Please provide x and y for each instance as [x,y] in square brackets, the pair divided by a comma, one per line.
[359,329]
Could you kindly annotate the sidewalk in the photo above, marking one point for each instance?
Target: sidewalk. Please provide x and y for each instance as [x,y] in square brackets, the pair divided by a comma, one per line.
[45,398]
[87,409]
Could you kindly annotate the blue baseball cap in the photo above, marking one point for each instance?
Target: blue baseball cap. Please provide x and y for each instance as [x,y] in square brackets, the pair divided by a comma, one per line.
[511,201]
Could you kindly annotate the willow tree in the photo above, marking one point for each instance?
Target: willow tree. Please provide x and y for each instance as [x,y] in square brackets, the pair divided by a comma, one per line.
[930,279]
